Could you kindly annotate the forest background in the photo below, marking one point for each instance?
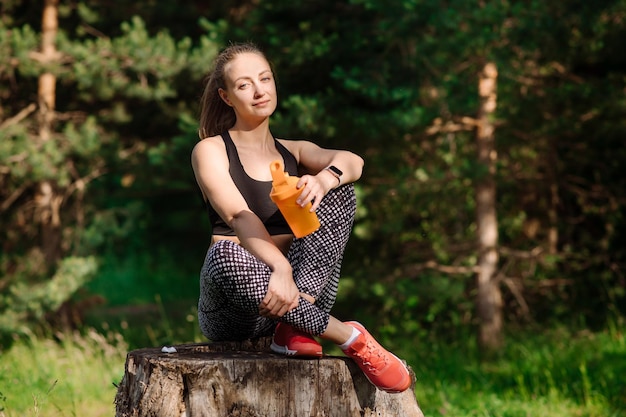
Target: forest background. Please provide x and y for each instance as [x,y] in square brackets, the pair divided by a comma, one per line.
[490,244]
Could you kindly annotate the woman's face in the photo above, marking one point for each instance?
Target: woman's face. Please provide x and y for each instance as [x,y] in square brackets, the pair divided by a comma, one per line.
[250,87]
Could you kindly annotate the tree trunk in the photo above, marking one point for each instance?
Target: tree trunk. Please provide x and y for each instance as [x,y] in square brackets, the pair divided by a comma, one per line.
[489,297]
[553,217]
[246,379]
[47,199]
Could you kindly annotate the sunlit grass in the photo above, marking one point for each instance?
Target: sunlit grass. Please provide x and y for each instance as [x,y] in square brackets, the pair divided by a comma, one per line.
[553,374]
[68,375]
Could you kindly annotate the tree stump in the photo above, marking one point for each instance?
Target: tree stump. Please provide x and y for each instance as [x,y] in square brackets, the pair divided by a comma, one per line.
[246,379]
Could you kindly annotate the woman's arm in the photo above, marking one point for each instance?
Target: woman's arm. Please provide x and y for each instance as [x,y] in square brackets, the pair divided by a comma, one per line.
[210,166]
[315,159]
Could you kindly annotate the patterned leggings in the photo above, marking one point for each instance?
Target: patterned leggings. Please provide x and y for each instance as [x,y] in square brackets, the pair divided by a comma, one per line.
[233,282]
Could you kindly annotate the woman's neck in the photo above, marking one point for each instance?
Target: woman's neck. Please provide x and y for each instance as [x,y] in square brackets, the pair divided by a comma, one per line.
[252,135]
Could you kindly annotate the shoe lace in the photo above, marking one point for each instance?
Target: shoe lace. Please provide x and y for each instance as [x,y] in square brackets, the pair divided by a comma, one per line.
[372,357]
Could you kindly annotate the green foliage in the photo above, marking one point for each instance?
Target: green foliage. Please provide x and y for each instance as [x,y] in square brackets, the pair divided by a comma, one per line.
[136,64]
[114,94]
[29,298]
[138,277]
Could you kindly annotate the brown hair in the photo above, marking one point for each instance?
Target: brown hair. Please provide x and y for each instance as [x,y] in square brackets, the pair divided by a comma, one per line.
[215,115]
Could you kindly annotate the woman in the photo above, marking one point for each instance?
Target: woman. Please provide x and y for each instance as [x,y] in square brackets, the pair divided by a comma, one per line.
[258,280]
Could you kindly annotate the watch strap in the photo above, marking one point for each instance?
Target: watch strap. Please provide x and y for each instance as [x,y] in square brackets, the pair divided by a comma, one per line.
[336,172]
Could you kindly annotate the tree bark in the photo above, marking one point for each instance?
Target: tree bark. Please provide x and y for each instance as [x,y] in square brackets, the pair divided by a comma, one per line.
[47,80]
[246,379]
[47,198]
[489,297]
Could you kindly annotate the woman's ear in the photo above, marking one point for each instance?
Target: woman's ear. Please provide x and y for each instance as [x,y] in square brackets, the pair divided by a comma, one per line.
[224,96]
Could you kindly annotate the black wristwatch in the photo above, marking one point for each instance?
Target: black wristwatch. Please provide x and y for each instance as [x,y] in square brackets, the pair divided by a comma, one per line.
[336,172]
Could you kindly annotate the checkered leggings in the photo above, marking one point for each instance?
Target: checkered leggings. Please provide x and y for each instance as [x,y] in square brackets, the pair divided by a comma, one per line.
[233,282]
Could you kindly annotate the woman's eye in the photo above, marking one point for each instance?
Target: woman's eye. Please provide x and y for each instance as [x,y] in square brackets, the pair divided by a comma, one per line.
[242,86]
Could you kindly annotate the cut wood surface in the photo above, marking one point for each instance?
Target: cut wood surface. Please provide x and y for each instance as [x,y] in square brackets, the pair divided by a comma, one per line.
[237,379]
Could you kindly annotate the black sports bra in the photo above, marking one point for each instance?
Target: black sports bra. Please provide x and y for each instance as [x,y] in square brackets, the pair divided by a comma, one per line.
[256,193]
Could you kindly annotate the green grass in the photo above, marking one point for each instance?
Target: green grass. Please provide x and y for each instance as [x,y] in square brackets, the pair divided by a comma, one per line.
[67,375]
[553,373]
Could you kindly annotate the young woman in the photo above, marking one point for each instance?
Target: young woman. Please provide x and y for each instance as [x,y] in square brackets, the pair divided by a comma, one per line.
[257,279]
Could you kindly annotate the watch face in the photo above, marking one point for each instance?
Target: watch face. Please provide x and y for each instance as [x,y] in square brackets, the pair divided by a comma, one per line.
[335,170]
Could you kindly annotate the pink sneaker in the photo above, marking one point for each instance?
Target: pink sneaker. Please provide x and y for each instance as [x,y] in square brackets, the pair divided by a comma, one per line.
[292,342]
[380,366]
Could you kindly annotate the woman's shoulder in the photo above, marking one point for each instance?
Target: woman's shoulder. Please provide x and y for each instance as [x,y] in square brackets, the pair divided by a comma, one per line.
[209,143]
[295,141]
[296,146]
[209,148]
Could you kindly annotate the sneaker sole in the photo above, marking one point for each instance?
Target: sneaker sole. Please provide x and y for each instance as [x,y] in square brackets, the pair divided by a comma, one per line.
[284,350]
[395,390]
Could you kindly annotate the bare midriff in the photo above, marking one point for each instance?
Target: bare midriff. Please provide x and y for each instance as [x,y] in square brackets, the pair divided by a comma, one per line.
[283,242]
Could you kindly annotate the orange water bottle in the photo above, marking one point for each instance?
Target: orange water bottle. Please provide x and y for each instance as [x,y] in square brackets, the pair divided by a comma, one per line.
[284,193]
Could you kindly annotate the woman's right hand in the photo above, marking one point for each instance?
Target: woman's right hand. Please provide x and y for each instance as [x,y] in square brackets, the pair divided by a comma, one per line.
[282,295]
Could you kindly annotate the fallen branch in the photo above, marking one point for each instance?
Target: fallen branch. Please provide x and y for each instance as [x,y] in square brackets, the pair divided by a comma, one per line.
[448,269]
[23,114]
[517,293]
[14,196]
